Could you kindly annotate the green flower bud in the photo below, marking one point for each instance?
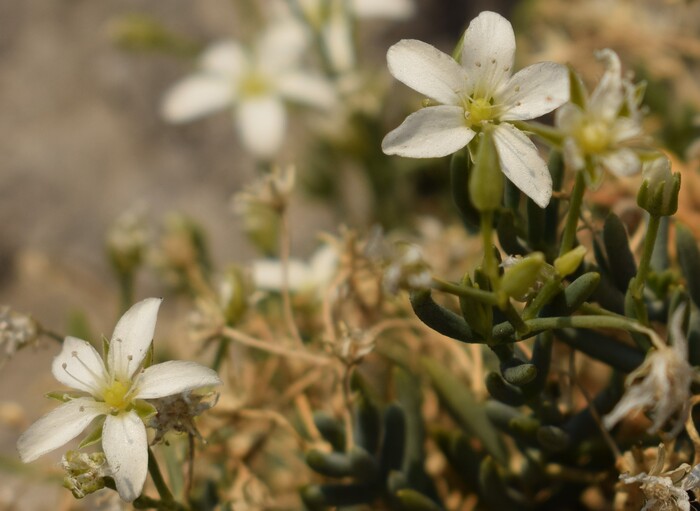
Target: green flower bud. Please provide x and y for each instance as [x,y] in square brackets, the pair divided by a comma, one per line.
[234,290]
[486,179]
[126,241]
[659,191]
[567,263]
[520,277]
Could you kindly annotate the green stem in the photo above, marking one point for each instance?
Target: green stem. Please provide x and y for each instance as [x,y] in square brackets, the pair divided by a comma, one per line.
[551,289]
[221,353]
[158,479]
[569,236]
[490,263]
[486,297]
[126,290]
[514,318]
[637,284]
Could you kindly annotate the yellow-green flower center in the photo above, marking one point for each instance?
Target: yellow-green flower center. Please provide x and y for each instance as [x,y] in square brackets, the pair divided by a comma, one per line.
[478,110]
[254,84]
[116,395]
[593,136]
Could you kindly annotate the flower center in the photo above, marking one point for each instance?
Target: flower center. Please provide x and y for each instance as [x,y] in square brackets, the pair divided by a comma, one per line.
[253,84]
[116,395]
[478,110]
[593,136]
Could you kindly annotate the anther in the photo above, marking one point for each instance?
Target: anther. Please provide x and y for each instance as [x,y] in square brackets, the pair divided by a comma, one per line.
[82,408]
[493,61]
[517,88]
[478,64]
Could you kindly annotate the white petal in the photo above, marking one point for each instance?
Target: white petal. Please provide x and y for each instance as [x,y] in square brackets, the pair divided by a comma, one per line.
[429,133]
[58,427]
[338,41]
[636,396]
[226,58]
[125,445]
[267,275]
[281,45]
[568,118]
[534,91]
[607,98]
[625,129]
[572,155]
[427,70]
[488,52]
[132,337]
[387,9]
[196,96]
[522,164]
[621,162]
[324,264]
[262,122]
[79,366]
[174,377]
[307,88]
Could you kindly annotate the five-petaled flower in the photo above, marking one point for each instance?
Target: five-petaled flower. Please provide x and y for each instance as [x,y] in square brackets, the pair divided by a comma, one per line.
[478,93]
[254,83]
[605,131]
[113,388]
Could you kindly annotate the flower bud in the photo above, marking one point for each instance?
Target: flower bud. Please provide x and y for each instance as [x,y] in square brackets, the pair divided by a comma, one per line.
[486,179]
[567,263]
[520,277]
[658,193]
[126,241]
[234,291]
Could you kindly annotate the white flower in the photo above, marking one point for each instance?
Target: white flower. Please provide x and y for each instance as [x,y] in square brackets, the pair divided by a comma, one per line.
[479,92]
[303,277]
[604,132]
[111,388]
[661,383]
[407,269]
[255,83]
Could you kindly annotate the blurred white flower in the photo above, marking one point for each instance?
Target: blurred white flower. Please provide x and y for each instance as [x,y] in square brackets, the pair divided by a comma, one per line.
[255,83]
[604,132]
[479,92]
[333,21]
[303,277]
[661,384]
[112,388]
[407,269]
[16,331]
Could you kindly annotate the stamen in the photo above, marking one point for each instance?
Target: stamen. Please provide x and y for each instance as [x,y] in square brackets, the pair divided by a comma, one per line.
[129,358]
[92,373]
[493,61]
[87,384]
[478,64]
[134,385]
